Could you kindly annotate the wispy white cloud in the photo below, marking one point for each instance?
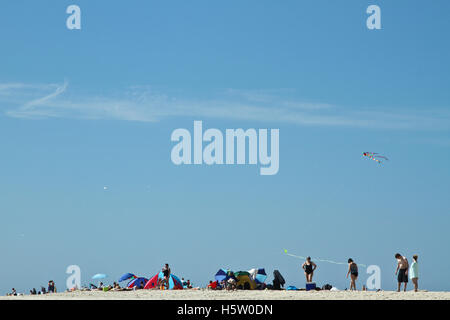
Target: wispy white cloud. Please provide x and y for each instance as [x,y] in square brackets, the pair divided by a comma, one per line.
[44,100]
[142,103]
[9,87]
[23,90]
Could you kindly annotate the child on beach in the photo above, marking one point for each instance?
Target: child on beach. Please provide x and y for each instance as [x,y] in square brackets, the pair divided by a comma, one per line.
[161,283]
[414,273]
[308,266]
[353,271]
[401,271]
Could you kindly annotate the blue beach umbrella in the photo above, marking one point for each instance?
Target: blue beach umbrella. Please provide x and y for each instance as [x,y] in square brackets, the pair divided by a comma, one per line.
[99,276]
[137,282]
[126,276]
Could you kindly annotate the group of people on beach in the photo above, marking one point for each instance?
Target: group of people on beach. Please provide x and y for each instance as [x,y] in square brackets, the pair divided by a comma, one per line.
[51,288]
[163,283]
[228,284]
[402,271]
[102,287]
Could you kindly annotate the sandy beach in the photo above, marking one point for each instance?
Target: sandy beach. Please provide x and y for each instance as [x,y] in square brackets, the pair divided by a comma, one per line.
[204,294]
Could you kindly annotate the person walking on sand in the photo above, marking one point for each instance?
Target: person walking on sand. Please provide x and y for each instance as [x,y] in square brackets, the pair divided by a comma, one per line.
[353,271]
[308,266]
[414,273]
[401,271]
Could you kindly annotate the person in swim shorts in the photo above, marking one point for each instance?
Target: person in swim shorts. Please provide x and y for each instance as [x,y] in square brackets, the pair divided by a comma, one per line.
[401,271]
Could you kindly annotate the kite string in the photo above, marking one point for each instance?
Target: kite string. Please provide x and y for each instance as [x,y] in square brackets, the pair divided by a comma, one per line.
[322,260]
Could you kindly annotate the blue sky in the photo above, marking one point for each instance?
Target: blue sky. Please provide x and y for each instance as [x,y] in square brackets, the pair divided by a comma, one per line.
[84,109]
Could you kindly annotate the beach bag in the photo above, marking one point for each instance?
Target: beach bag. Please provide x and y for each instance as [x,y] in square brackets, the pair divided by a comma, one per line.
[327,287]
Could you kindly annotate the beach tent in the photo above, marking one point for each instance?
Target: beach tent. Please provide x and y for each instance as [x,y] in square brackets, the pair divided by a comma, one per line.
[174,281]
[253,273]
[259,275]
[224,275]
[221,275]
[137,282]
[244,281]
[152,282]
[127,276]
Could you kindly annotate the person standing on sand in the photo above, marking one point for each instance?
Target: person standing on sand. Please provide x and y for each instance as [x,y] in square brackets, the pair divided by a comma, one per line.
[401,271]
[353,271]
[166,273]
[414,273]
[308,266]
[51,287]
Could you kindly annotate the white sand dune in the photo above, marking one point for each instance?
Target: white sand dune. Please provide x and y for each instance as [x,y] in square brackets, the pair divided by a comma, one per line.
[204,294]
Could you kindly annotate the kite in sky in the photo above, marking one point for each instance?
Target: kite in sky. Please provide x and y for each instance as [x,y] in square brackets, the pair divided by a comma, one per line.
[375,156]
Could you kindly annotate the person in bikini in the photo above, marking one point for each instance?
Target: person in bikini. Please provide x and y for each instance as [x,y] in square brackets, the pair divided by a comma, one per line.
[308,266]
[353,271]
[401,271]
